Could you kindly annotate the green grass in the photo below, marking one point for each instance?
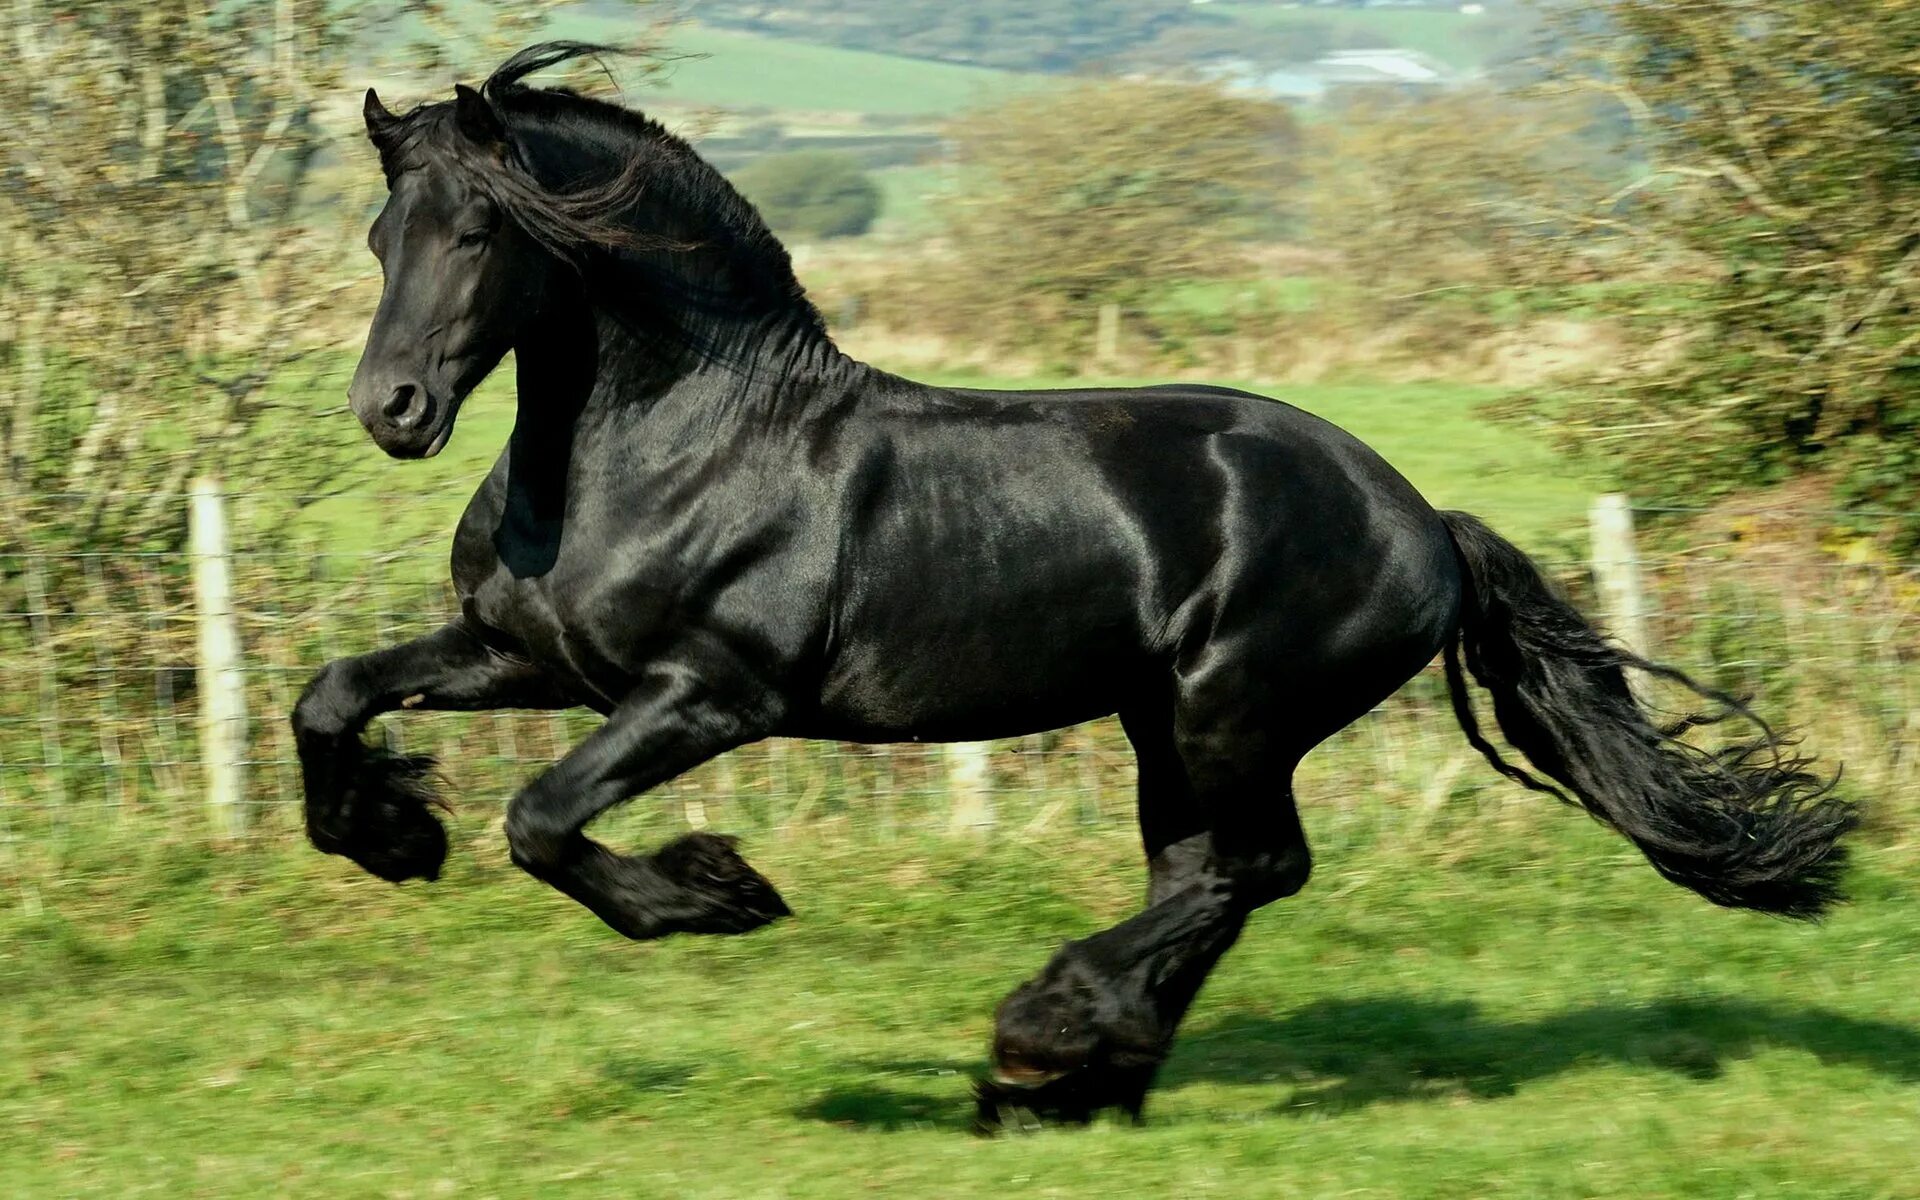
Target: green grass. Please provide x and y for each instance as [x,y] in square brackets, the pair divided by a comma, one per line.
[748,70]
[907,196]
[1517,1008]
[1224,297]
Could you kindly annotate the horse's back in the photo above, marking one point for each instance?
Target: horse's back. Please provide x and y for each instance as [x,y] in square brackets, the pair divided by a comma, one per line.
[1042,554]
[1292,490]
[1331,559]
[1332,580]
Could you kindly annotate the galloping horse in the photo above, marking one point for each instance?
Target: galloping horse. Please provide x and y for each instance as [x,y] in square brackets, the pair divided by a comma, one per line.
[712,527]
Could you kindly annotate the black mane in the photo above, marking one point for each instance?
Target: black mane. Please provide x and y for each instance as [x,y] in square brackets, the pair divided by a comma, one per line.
[607,188]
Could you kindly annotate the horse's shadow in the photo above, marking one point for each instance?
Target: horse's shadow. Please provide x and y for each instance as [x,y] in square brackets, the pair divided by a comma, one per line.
[1344,1054]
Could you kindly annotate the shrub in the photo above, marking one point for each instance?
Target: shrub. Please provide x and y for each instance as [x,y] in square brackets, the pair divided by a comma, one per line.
[809,194]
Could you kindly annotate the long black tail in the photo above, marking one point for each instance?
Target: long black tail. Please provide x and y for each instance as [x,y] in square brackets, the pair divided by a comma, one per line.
[1747,826]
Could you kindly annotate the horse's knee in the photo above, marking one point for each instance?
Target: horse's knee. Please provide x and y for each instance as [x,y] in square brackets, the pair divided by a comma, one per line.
[534,843]
[363,802]
[1291,872]
[329,706]
[1261,879]
[330,753]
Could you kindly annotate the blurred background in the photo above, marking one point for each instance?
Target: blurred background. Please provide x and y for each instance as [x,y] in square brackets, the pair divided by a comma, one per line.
[1634,281]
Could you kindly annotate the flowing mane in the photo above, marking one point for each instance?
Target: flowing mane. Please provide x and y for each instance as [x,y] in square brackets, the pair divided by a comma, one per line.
[608,189]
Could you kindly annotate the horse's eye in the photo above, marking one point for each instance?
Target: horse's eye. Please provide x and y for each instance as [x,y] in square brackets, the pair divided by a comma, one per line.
[474,237]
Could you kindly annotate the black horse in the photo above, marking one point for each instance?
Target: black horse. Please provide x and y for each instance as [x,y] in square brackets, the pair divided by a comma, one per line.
[713,527]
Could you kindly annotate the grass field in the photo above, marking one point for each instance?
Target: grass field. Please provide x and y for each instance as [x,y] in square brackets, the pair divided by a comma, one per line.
[907,198]
[1511,1008]
[734,69]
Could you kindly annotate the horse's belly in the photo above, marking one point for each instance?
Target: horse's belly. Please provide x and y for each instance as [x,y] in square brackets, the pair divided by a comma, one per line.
[976,684]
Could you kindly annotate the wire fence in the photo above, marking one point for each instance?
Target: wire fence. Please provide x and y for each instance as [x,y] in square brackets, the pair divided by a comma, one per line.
[99,713]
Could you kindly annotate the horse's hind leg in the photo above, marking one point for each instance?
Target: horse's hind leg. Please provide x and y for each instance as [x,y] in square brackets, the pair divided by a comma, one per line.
[1222,838]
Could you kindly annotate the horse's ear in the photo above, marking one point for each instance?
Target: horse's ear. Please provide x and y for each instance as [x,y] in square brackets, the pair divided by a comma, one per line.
[476,117]
[378,119]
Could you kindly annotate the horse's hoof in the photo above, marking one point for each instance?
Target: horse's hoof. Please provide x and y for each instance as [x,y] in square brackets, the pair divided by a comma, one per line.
[382,820]
[1071,1100]
[1026,1101]
[724,893]
[412,844]
[999,1108]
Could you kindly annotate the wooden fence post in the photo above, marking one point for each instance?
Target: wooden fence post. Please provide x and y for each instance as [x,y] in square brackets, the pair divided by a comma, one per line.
[218,678]
[1616,573]
[968,786]
[1106,335]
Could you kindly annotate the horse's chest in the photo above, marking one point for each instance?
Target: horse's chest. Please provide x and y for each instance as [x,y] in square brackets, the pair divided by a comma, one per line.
[520,608]
[533,593]
[607,597]
[555,627]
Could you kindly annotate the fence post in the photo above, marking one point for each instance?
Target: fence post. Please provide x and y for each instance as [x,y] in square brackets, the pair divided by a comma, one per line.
[967,786]
[218,678]
[1616,572]
[1106,335]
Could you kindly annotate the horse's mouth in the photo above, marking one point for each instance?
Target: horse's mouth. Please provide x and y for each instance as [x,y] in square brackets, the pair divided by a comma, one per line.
[432,446]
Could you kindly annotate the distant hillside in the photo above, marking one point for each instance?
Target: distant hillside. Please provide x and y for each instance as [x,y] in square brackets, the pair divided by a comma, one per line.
[1025,35]
[731,69]
[724,68]
[1464,40]
[918,60]
[1064,35]
[746,70]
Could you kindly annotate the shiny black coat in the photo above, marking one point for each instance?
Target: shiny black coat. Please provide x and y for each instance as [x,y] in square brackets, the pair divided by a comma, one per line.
[880,560]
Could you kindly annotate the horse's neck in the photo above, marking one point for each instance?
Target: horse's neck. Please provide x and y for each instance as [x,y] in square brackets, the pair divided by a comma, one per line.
[555,366]
[732,367]
[586,369]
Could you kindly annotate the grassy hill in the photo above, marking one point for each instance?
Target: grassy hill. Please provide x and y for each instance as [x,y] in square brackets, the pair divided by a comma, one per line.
[737,69]
[730,69]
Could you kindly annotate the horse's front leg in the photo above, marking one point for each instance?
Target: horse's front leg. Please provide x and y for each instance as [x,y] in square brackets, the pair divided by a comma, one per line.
[370,804]
[682,713]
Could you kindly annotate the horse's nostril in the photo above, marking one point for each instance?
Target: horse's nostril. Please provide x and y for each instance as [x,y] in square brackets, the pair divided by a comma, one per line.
[407,406]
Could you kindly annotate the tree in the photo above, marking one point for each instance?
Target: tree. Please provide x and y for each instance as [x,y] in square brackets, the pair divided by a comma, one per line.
[1460,193]
[1103,191]
[150,159]
[1781,192]
[810,194]
[172,240]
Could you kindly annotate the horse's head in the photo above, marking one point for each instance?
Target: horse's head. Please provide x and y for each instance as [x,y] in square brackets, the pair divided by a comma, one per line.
[512,206]
[462,279]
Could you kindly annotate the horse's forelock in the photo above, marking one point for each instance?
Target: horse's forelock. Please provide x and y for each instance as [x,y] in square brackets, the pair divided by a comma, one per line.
[508,75]
[573,222]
